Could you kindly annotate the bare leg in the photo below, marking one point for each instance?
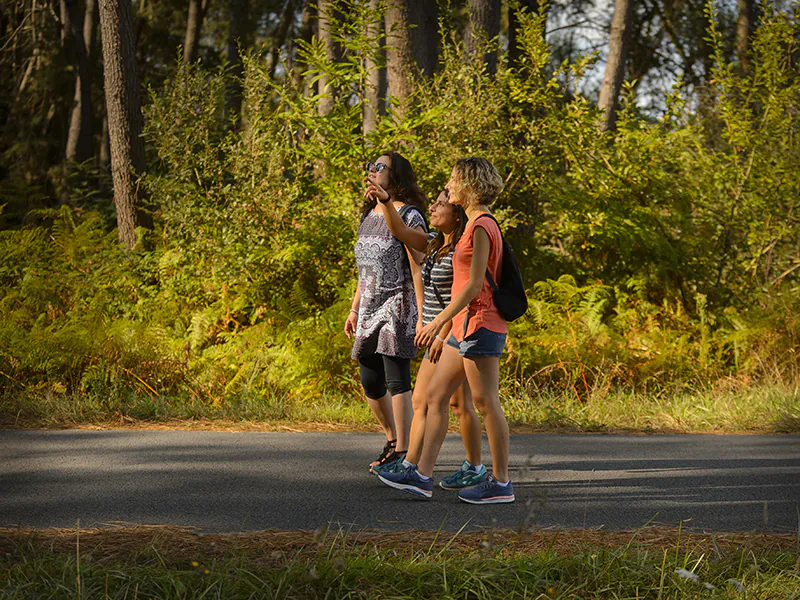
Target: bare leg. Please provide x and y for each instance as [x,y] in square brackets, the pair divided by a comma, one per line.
[401,407]
[419,401]
[382,409]
[483,374]
[468,422]
[447,378]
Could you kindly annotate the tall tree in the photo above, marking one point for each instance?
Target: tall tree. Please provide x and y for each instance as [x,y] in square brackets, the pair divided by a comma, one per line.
[238,40]
[376,78]
[745,25]
[424,35]
[79,134]
[398,53]
[194,26]
[282,30]
[124,116]
[484,24]
[615,66]
[325,24]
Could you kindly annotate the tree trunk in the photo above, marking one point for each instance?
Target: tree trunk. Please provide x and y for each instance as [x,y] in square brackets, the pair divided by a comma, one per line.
[398,53]
[376,83]
[306,34]
[745,25]
[424,36]
[279,37]
[325,23]
[483,25]
[514,51]
[615,66]
[237,38]
[124,116]
[79,135]
[194,26]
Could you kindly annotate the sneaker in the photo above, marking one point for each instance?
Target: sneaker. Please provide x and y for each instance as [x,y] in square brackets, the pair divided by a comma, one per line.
[465,477]
[488,492]
[408,480]
[393,466]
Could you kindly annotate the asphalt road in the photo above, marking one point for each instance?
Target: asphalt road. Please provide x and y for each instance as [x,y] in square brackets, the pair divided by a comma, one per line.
[222,481]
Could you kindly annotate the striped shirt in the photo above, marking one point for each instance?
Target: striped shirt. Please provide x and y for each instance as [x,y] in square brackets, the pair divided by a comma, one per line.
[438,280]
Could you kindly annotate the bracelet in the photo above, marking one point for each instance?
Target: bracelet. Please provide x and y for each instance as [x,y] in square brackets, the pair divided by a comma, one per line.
[354,311]
[440,339]
[388,197]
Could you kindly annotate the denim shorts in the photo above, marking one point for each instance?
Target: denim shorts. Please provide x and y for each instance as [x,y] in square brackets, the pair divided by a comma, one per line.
[481,343]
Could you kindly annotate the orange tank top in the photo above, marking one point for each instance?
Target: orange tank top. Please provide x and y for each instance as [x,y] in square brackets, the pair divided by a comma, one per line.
[481,312]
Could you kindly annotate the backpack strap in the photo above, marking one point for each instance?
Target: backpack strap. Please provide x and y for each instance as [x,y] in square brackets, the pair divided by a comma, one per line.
[489,277]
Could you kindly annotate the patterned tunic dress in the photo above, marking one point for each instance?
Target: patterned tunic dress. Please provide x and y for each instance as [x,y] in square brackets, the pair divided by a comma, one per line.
[387,315]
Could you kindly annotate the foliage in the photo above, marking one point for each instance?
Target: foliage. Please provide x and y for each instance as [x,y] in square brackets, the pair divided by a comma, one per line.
[663,255]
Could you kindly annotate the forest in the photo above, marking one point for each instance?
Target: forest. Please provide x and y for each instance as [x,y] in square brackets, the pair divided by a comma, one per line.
[180,184]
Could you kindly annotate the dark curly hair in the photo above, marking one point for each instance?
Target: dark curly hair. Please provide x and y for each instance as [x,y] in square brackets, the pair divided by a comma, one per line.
[403,185]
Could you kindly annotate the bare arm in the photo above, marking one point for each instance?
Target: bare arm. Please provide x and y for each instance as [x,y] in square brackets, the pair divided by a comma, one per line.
[416,239]
[351,322]
[419,289]
[477,271]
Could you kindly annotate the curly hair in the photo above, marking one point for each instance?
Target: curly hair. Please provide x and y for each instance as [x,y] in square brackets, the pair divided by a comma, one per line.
[402,185]
[477,180]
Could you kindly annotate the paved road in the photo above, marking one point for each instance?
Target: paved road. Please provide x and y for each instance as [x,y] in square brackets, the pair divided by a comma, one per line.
[247,481]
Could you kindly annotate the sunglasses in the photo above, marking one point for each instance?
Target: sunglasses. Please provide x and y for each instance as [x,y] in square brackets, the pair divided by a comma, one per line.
[376,168]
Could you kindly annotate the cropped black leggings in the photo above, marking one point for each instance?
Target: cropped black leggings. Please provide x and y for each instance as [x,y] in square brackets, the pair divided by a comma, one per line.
[379,372]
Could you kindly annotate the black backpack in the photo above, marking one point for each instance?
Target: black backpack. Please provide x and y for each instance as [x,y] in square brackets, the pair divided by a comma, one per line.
[509,296]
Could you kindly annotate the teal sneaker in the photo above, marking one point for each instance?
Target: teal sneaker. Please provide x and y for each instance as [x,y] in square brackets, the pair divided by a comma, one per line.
[465,477]
[393,466]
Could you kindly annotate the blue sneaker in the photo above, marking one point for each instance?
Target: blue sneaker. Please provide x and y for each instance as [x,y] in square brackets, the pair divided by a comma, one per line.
[465,477]
[408,480]
[489,492]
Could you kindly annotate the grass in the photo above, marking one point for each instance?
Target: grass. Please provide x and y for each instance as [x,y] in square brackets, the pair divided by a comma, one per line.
[726,406]
[171,562]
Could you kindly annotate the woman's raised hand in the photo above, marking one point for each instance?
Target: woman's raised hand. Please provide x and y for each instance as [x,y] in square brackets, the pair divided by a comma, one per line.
[375,190]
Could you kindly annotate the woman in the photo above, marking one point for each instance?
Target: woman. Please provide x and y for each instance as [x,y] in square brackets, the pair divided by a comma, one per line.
[384,311]
[475,344]
[437,277]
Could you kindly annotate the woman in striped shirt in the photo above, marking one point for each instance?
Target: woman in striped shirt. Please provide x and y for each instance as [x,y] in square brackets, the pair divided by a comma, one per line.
[450,221]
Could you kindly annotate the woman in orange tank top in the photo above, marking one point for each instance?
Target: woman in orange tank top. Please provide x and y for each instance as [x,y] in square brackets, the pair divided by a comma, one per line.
[473,350]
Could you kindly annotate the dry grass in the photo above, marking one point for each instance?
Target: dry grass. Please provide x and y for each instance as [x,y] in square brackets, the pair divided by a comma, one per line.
[174,544]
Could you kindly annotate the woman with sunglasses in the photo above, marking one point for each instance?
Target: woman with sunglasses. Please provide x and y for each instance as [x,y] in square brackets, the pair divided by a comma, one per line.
[437,276]
[475,344]
[384,312]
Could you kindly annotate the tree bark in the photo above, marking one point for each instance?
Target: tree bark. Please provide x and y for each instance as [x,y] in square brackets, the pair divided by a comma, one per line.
[424,35]
[194,27]
[79,134]
[398,53]
[325,23]
[306,34]
[124,117]
[279,37]
[615,66]
[376,82]
[745,25]
[484,24]
[237,38]
[514,51]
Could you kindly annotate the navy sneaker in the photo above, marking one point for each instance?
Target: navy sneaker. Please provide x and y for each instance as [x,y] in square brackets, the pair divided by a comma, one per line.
[488,492]
[408,480]
[465,477]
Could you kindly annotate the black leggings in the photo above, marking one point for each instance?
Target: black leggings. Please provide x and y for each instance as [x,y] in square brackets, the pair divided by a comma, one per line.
[379,371]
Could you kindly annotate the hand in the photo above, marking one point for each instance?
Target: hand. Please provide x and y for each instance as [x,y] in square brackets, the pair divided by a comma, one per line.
[435,351]
[350,325]
[376,191]
[427,334]
[419,327]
